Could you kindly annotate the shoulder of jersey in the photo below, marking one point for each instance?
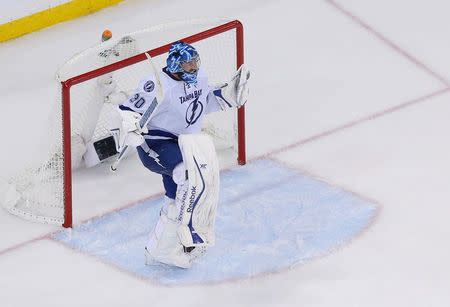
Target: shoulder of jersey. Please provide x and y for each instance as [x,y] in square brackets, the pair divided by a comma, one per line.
[167,81]
[202,74]
[148,83]
[202,77]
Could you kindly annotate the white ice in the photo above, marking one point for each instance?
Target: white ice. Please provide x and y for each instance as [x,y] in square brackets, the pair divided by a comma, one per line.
[361,94]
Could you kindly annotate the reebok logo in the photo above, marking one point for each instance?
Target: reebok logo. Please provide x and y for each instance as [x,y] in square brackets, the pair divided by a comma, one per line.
[192,199]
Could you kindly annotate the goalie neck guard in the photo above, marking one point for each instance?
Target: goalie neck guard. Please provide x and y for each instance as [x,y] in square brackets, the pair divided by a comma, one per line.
[181,54]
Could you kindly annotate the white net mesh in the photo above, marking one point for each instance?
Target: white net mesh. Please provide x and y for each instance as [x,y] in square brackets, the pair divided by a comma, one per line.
[37,193]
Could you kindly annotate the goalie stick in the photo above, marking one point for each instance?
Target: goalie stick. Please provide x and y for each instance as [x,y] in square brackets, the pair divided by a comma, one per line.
[145,117]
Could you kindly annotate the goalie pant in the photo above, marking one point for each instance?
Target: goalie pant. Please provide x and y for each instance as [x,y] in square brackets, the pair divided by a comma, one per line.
[189,220]
[161,156]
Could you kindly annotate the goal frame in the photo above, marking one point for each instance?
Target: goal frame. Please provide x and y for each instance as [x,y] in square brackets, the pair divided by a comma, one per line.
[67,85]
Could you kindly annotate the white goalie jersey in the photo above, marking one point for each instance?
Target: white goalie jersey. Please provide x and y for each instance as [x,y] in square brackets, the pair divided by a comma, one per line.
[182,108]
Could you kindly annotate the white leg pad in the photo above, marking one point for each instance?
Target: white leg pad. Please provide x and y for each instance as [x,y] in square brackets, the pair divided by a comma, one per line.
[164,245]
[78,150]
[198,197]
[8,195]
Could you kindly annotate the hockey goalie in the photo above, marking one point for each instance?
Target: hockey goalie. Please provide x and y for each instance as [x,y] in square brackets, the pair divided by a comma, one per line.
[171,144]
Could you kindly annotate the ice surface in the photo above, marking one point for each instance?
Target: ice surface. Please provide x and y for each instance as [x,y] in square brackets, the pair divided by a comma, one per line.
[315,73]
[269,219]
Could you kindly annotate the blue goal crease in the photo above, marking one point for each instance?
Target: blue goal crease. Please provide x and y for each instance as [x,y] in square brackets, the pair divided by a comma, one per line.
[269,218]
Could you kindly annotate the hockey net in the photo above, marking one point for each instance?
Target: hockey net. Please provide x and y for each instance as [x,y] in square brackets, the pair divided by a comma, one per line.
[43,191]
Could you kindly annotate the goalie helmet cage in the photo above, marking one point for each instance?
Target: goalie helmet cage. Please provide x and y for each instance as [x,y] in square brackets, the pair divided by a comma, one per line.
[66,86]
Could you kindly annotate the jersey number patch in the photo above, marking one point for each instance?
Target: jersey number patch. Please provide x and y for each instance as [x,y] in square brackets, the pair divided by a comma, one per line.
[138,101]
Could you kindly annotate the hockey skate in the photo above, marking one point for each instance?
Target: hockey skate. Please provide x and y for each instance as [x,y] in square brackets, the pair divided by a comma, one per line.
[179,259]
[195,252]
[183,258]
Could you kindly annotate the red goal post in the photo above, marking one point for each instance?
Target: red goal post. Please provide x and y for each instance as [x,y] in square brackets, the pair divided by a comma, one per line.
[67,85]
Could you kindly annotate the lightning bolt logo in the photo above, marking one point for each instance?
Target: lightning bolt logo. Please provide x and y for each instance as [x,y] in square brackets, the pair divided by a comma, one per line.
[155,156]
[193,112]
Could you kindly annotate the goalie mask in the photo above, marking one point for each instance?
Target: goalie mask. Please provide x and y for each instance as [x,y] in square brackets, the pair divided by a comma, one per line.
[184,61]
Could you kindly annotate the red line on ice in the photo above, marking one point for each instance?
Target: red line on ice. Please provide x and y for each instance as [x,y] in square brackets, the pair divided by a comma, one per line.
[388,42]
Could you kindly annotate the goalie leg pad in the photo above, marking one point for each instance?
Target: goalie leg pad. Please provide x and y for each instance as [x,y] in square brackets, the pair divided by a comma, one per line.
[78,150]
[99,150]
[8,195]
[164,245]
[198,196]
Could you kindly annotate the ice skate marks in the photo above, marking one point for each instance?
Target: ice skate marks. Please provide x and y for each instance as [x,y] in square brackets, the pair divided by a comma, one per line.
[269,218]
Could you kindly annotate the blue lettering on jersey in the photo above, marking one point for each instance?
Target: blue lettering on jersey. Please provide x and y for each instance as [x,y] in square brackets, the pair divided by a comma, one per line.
[194,94]
[193,112]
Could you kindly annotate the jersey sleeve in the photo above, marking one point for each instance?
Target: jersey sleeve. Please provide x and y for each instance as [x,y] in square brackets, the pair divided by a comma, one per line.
[142,96]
